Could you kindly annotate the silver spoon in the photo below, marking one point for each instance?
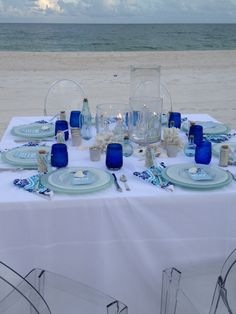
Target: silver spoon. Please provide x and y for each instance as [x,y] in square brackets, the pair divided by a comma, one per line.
[124,180]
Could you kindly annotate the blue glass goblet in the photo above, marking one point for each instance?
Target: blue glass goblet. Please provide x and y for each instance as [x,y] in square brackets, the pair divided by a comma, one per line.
[197,132]
[75,119]
[59,155]
[62,125]
[174,120]
[203,153]
[114,156]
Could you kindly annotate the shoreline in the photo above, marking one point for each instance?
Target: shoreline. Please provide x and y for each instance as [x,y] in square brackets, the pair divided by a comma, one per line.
[199,81]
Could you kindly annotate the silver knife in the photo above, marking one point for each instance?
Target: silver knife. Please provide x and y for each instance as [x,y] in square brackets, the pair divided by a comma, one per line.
[118,188]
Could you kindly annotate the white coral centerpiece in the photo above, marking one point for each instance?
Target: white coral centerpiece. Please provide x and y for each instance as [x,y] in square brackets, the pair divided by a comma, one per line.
[171,137]
[171,141]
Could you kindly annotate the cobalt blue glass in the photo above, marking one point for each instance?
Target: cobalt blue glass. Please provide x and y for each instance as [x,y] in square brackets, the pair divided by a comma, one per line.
[62,125]
[59,155]
[203,153]
[114,156]
[174,120]
[75,119]
[197,132]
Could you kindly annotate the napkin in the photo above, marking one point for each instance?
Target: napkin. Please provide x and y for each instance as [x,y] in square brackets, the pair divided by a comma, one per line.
[153,175]
[33,184]
[218,138]
[198,174]
[82,178]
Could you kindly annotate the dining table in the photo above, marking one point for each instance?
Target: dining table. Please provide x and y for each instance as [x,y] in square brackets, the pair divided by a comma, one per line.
[117,242]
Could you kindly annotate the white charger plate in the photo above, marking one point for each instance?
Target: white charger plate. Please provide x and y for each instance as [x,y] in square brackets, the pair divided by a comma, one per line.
[179,176]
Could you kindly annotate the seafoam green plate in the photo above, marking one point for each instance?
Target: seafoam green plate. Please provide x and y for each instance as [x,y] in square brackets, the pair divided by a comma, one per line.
[61,180]
[178,174]
[34,130]
[209,127]
[24,156]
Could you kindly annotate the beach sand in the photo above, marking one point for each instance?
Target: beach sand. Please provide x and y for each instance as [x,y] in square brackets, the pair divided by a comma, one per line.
[199,81]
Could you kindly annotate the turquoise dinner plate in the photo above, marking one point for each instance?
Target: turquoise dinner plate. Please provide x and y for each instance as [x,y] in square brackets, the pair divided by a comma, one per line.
[61,180]
[24,156]
[178,174]
[209,127]
[34,130]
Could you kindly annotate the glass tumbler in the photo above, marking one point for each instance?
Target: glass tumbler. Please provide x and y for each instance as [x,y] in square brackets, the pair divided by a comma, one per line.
[203,153]
[174,120]
[59,155]
[62,125]
[114,156]
[75,119]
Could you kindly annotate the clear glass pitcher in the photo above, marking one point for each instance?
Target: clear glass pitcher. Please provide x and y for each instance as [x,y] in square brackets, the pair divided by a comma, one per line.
[145,105]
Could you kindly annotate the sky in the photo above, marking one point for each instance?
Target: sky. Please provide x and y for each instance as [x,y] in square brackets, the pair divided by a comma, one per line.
[118,11]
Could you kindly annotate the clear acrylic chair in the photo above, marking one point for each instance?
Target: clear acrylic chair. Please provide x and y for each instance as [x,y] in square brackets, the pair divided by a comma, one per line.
[64,295]
[177,297]
[18,296]
[44,292]
[63,95]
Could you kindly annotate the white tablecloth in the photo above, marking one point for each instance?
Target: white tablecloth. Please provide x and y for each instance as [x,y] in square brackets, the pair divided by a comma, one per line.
[116,242]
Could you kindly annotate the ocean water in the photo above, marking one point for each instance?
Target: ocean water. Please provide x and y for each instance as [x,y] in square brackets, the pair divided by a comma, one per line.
[117,37]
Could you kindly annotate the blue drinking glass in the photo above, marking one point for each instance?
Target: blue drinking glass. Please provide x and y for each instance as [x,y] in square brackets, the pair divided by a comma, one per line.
[62,125]
[203,153]
[59,155]
[174,120]
[197,132]
[75,119]
[114,156]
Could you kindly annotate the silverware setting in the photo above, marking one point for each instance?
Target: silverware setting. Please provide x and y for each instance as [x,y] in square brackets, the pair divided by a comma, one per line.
[124,180]
[118,187]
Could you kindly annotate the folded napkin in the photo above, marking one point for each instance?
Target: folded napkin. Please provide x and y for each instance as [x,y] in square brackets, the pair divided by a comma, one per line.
[33,184]
[218,138]
[153,175]
[82,177]
[199,174]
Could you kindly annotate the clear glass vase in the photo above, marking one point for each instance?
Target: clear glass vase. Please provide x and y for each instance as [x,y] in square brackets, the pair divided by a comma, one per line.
[145,105]
[145,82]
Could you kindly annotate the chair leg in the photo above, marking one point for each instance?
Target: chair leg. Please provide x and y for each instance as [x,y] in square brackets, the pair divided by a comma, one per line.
[170,286]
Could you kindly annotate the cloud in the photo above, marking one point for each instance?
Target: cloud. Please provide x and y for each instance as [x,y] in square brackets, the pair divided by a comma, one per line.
[152,10]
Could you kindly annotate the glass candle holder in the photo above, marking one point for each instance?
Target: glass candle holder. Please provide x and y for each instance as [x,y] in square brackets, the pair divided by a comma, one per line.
[197,132]
[62,125]
[114,156]
[75,119]
[174,120]
[203,153]
[59,155]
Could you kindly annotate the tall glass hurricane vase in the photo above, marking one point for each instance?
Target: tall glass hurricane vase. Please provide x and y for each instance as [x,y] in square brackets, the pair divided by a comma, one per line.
[145,82]
[145,105]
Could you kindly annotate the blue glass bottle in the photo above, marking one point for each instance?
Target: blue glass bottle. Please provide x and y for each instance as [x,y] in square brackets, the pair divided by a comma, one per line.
[190,147]
[86,121]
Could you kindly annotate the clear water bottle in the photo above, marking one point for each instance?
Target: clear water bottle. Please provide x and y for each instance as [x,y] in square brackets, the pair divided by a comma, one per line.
[190,147]
[127,147]
[86,121]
